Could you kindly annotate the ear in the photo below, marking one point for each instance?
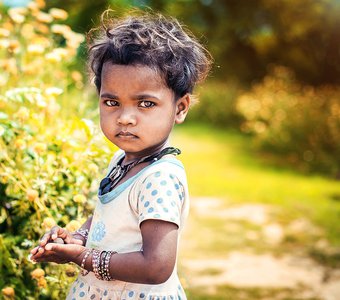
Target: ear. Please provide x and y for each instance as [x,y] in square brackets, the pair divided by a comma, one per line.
[182,108]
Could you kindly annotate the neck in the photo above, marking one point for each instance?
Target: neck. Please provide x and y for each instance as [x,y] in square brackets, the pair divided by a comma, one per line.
[131,157]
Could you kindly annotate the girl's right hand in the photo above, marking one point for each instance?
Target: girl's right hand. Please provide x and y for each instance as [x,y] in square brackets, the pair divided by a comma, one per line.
[53,236]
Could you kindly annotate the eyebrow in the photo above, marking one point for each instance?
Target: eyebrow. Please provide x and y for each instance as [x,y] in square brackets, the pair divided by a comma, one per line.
[137,97]
[107,95]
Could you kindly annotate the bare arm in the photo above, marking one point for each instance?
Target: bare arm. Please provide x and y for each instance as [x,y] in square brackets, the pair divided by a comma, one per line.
[152,266]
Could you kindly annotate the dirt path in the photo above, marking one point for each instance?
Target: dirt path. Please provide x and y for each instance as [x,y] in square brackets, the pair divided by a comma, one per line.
[245,269]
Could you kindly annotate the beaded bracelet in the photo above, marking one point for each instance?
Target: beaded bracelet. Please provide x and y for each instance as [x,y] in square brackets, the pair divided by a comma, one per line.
[82,232]
[101,264]
[106,270]
[95,262]
[83,271]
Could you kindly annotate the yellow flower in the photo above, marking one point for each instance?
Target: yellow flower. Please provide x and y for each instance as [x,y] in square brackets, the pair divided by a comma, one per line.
[73,226]
[27,30]
[32,194]
[48,223]
[45,42]
[62,52]
[4,32]
[53,107]
[3,82]
[8,292]
[14,46]
[53,57]
[2,130]
[70,271]
[42,283]
[60,29]
[8,25]
[37,273]
[10,65]
[74,39]
[79,198]
[4,43]
[43,17]
[76,76]
[53,91]
[42,28]
[35,49]
[39,147]
[22,114]
[58,13]
[93,168]
[19,144]
[33,6]
[17,14]
[40,3]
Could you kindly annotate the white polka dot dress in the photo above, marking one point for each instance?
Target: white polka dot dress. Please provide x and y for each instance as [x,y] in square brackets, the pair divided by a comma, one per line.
[159,192]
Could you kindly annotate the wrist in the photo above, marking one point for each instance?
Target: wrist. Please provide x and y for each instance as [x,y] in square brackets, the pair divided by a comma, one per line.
[77,259]
[78,237]
[81,234]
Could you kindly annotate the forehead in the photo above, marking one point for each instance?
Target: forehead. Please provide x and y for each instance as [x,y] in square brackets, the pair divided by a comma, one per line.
[138,74]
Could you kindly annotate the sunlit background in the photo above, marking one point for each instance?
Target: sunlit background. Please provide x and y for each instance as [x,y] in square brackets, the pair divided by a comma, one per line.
[261,147]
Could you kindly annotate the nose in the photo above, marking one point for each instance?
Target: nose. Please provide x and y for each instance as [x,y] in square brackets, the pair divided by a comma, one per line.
[126,117]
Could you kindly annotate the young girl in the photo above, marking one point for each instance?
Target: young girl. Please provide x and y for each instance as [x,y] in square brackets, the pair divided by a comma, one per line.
[145,68]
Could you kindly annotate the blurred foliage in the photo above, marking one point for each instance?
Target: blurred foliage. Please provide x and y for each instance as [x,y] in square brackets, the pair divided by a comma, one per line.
[244,39]
[300,122]
[49,157]
[216,104]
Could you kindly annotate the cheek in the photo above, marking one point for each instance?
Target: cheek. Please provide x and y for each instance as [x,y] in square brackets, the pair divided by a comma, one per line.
[106,121]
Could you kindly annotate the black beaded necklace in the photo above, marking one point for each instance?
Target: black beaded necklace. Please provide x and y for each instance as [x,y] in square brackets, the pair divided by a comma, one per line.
[119,171]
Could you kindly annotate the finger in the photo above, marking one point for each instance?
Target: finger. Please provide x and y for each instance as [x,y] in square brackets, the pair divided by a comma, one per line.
[61,233]
[78,242]
[41,250]
[44,240]
[30,258]
[52,247]
[34,250]
[55,232]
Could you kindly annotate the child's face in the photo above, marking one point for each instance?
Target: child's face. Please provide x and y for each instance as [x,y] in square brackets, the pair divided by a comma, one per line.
[137,109]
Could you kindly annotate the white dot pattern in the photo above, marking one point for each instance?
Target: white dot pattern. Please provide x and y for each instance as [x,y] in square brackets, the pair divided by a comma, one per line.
[161,197]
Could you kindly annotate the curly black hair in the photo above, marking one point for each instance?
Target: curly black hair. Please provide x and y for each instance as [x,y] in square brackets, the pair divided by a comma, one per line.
[153,40]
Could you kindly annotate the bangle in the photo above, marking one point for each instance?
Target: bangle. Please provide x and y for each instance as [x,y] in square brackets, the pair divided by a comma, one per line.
[96,262]
[83,232]
[106,270]
[83,271]
[101,264]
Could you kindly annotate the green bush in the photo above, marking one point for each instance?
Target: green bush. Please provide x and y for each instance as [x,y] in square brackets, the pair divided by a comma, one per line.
[50,158]
[216,104]
[301,123]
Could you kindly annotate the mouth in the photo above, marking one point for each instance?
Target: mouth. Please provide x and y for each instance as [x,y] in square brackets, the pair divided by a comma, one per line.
[126,134]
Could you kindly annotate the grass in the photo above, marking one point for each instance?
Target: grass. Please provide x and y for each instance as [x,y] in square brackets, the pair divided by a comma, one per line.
[222,164]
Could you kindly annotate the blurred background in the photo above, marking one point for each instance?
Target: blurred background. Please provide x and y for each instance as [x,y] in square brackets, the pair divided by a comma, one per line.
[261,147]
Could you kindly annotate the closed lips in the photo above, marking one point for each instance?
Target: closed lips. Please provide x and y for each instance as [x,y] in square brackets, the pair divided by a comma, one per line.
[126,134]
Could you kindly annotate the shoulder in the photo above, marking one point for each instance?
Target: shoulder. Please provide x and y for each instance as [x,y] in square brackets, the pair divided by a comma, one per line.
[161,193]
[166,168]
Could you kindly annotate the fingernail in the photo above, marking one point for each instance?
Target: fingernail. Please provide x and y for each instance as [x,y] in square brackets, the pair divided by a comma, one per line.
[48,247]
[31,259]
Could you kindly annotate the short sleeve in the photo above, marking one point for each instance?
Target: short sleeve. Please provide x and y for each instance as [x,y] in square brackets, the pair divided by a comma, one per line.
[161,197]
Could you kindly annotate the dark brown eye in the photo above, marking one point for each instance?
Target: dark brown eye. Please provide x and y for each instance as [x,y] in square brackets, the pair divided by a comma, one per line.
[146,104]
[111,102]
